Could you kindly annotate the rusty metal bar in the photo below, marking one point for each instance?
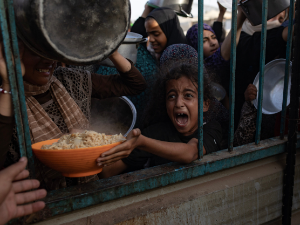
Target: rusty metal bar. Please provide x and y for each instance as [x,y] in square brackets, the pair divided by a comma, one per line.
[232,74]
[200,78]
[262,69]
[287,68]
[289,172]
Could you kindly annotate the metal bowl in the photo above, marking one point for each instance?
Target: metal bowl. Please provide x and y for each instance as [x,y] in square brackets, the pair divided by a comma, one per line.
[73,32]
[113,115]
[273,87]
[181,7]
[218,91]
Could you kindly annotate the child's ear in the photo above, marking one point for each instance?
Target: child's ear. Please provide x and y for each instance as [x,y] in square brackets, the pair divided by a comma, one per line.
[206,106]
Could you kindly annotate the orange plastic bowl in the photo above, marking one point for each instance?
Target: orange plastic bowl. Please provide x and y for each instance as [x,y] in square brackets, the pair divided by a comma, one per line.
[79,162]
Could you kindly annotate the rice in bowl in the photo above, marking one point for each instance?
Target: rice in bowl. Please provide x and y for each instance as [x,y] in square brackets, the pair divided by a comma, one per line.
[85,139]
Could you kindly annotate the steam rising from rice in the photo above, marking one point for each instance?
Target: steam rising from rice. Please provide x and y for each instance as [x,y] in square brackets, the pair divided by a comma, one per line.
[84,140]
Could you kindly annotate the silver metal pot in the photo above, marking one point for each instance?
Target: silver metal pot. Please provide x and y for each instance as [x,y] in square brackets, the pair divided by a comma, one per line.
[113,115]
[273,87]
[128,50]
[181,7]
[74,32]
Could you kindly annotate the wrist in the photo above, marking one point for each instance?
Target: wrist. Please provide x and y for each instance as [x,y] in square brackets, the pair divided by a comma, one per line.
[140,141]
[114,55]
[5,86]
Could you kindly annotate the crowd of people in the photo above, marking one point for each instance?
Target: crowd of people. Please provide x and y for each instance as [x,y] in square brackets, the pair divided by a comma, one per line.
[58,100]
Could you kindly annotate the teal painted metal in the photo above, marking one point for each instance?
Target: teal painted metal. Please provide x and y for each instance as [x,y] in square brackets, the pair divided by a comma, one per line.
[20,85]
[287,68]
[82,196]
[12,79]
[232,74]
[200,78]
[262,69]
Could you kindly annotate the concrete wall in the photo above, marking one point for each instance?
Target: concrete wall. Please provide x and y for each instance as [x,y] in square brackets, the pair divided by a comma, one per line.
[247,194]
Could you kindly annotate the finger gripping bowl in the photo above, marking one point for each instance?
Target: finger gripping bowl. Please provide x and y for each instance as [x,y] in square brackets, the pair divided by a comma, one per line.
[79,162]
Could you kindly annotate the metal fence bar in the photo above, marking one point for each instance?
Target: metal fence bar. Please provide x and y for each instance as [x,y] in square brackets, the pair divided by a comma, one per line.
[262,69]
[12,78]
[287,68]
[289,173]
[232,74]
[19,79]
[200,78]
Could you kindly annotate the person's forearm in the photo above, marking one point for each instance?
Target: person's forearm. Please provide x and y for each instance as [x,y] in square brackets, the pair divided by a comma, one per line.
[6,101]
[226,46]
[121,64]
[285,33]
[221,17]
[113,170]
[176,152]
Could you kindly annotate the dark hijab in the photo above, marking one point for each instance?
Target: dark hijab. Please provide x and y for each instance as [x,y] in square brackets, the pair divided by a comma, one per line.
[169,23]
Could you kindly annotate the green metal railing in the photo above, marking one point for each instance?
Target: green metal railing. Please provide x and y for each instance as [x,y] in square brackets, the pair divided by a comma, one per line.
[73,198]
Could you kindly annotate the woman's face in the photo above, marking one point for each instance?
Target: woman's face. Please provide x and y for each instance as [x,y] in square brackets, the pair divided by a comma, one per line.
[210,43]
[157,37]
[182,105]
[38,70]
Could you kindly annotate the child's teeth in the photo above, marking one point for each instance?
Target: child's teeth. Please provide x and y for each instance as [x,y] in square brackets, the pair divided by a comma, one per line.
[43,71]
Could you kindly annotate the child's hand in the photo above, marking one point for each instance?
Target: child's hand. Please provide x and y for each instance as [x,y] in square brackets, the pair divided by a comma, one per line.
[194,143]
[13,192]
[121,151]
[250,93]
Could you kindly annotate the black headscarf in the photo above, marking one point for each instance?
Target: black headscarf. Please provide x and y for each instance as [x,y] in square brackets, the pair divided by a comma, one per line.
[169,23]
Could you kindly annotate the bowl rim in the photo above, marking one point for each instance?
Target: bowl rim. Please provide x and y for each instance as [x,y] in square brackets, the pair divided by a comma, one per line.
[75,149]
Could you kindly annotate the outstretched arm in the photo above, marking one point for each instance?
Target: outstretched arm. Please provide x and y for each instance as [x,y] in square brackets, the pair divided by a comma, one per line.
[176,152]
[226,46]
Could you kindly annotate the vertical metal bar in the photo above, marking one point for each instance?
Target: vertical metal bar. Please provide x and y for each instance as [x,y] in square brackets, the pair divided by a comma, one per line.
[19,77]
[262,69]
[12,78]
[200,78]
[287,68]
[232,74]
[289,173]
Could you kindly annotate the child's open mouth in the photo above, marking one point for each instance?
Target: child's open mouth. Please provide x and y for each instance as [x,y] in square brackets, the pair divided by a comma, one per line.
[181,119]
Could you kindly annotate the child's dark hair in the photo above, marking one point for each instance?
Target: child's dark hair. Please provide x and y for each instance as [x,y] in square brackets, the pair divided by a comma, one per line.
[156,109]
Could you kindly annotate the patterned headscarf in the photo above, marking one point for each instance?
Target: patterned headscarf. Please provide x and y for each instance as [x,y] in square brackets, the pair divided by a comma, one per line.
[178,53]
[192,35]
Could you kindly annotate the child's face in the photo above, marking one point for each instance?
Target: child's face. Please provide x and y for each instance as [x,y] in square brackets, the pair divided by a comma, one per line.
[210,43]
[157,37]
[182,105]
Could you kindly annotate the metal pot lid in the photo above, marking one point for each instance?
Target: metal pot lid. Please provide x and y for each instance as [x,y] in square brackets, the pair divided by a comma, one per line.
[133,37]
[79,32]
[273,87]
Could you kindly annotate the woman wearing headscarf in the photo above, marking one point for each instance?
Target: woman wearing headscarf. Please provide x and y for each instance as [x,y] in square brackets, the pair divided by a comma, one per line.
[162,27]
[57,100]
